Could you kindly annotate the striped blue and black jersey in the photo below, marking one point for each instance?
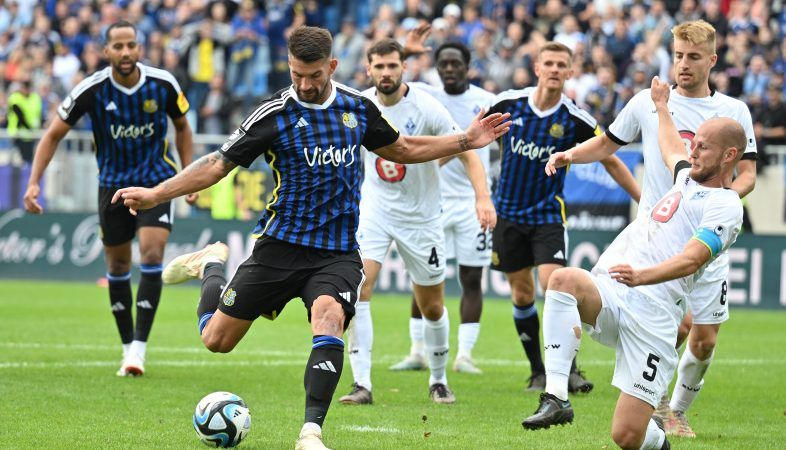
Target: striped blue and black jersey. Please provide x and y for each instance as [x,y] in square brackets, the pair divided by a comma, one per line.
[524,193]
[129,124]
[314,152]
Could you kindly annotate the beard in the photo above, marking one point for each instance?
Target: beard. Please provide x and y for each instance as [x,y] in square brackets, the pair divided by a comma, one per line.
[393,87]
[312,96]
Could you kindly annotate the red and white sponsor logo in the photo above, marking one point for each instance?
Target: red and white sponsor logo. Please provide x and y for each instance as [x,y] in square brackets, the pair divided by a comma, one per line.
[390,171]
[666,207]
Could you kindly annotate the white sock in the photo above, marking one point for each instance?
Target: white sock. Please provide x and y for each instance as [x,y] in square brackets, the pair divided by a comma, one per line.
[360,342]
[416,336]
[435,336]
[467,337]
[126,348]
[690,374]
[654,437]
[560,340]
[138,348]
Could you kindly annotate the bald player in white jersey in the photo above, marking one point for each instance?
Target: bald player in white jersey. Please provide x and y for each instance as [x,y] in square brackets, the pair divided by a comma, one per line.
[635,297]
[691,103]
[465,239]
[401,204]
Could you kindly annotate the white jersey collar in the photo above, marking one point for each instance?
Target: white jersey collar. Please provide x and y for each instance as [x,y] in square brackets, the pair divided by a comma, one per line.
[134,88]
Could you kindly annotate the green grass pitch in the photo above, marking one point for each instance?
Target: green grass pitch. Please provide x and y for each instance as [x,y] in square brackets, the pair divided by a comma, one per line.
[59,351]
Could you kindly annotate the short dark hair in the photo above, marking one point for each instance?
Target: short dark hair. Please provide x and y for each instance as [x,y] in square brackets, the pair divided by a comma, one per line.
[118,24]
[465,54]
[385,47]
[310,44]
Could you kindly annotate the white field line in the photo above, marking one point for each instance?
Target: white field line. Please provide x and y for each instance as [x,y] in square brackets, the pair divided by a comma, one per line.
[367,429]
[272,358]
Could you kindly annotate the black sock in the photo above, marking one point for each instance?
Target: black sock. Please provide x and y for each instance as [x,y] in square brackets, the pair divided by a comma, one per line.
[120,302]
[213,282]
[528,328]
[147,297]
[322,374]
[573,368]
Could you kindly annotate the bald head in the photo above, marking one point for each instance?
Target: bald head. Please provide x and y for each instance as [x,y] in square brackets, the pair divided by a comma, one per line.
[727,133]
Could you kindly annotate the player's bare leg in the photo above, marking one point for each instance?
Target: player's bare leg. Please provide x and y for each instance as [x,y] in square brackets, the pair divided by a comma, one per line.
[633,427]
[118,264]
[361,340]
[436,333]
[471,307]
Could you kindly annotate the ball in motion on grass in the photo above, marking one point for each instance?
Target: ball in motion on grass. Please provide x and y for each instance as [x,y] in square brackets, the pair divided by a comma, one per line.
[222,419]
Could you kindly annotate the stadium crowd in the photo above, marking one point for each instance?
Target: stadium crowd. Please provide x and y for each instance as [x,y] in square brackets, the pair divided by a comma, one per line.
[227,54]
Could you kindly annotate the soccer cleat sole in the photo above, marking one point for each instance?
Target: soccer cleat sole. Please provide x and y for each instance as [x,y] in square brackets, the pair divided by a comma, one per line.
[564,419]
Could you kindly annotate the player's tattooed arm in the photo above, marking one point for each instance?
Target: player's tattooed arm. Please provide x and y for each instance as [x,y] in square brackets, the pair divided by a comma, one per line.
[199,175]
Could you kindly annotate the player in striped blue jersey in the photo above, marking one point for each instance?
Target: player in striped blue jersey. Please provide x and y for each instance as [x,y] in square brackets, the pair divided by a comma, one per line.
[128,104]
[310,134]
[531,229]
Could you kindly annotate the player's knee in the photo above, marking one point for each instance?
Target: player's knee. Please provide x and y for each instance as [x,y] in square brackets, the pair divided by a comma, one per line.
[703,347]
[471,278]
[432,311]
[562,280]
[627,438]
[217,344]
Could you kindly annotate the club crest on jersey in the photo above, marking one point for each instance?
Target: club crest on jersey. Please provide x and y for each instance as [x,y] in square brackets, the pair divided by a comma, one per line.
[229,297]
[699,195]
[557,131]
[349,119]
[476,109]
[150,106]
[410,126]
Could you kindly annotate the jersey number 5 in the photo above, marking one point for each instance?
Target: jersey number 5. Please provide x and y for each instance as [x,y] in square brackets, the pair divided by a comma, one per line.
[666,207]
[390,171]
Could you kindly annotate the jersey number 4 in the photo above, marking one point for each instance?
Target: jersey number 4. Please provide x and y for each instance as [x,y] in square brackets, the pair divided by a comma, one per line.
[390,171]
[666,207]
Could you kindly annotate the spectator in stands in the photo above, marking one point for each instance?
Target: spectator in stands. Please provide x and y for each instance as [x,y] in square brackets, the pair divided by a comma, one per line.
[245,65]
[205,60]
[769,121]
[24,116]
[757,78]
[349,47]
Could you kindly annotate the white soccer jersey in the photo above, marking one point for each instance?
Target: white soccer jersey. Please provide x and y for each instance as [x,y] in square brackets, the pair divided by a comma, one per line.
[463,108]
[406,193]
[687,211]
[688,113]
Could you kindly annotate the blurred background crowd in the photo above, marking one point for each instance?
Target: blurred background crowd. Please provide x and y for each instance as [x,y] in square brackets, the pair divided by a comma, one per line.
[228,54]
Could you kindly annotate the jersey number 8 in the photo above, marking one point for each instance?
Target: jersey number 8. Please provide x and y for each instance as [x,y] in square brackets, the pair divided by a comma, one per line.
[390,171]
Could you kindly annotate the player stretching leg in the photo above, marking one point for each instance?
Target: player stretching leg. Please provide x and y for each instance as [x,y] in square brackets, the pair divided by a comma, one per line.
[310,134]
[634,298]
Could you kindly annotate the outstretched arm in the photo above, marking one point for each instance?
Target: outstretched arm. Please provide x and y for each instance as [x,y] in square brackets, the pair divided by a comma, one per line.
[203,173]
[672,148]
[487,216]
[694,255]
[619,171]
[43,155]
[417,149]
[595,149]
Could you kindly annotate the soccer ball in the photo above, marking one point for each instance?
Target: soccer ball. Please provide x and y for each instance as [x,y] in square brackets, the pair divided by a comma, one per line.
[221,419]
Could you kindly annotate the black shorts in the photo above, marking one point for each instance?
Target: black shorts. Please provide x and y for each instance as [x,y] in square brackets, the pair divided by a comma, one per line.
[277,271]
[119,226]
[515,246]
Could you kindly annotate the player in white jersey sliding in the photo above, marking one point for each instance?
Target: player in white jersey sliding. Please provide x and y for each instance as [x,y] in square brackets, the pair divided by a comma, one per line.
[634,298]
[691,103]
[401,203]
[465,239]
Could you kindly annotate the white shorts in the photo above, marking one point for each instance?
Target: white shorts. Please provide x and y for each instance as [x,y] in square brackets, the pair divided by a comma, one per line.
[464,239]
[707,301]
[643,334]
[421,247]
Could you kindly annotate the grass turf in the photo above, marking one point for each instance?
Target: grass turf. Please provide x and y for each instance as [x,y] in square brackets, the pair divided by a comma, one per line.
[59,351]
